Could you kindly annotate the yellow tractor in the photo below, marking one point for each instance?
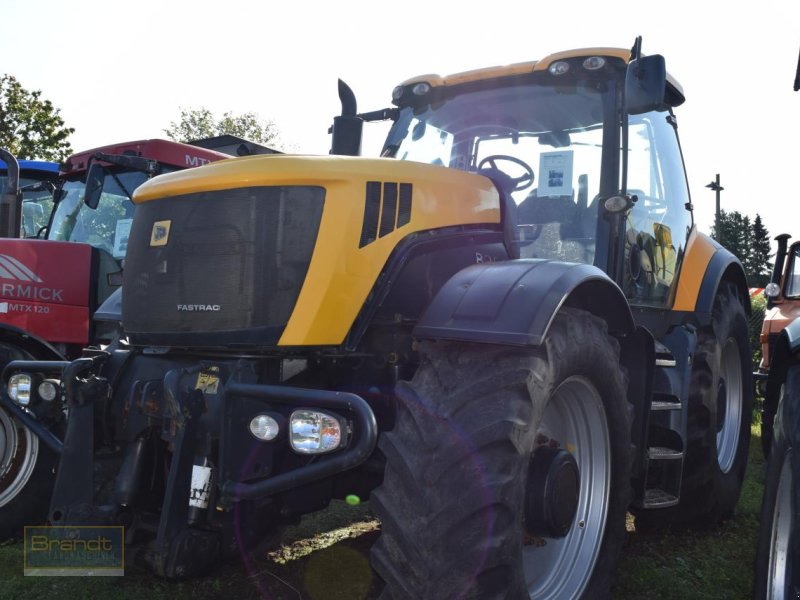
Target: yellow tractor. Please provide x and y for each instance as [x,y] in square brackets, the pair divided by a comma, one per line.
[504,333]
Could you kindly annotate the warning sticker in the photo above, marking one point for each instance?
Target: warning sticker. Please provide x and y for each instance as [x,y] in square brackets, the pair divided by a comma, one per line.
[208,381]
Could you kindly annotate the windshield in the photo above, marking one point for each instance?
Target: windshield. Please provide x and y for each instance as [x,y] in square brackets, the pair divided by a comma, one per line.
[541,144]
[106,227]
[36,204]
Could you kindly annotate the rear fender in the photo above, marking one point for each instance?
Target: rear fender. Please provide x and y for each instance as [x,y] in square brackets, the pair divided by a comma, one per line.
[722,267]
[785,353]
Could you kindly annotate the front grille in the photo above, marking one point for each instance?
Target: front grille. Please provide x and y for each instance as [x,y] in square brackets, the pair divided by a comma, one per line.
[219,268]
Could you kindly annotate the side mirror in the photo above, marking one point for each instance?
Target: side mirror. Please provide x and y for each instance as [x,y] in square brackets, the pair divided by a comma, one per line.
[645,84]
[94,185]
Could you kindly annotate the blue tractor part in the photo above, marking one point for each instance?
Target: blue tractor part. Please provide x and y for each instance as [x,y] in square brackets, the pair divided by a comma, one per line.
[27,190]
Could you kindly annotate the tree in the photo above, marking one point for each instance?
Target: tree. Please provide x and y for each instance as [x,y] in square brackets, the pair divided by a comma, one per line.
[748,242]
[760,267]
[31,127]
[198,123]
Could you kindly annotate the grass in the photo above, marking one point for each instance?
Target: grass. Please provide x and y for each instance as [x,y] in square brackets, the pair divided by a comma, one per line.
[326,557]
[713,564]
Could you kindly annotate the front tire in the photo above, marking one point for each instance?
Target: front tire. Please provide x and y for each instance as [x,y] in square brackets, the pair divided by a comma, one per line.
[27,468]
[458,481]
[27,474]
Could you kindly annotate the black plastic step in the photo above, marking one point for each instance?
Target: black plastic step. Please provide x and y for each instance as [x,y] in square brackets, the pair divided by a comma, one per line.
[655,498]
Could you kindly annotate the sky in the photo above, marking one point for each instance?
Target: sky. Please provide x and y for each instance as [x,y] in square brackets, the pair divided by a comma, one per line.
[121,71]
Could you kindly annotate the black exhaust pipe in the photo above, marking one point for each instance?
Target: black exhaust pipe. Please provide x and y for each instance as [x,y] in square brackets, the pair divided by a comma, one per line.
[11,200]
[780,259]
[347,128]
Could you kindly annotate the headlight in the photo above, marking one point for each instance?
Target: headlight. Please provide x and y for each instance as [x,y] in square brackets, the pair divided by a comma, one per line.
[315,432]
[48,389]
[772,290]
[19,388]
[264,428]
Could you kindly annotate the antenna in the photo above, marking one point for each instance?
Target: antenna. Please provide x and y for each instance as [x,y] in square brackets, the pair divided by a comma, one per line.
[636,51]
[797,76]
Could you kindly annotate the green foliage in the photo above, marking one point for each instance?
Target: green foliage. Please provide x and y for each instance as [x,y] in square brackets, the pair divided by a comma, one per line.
[198,123]
[31,127]
[758,304]
[759,267]
[749,242]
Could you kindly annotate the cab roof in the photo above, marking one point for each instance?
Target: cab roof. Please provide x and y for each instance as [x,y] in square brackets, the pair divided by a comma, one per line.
[164,151]
[503,71]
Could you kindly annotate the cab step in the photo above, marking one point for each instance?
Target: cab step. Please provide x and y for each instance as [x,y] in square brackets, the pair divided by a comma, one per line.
[661,453]
[656,498]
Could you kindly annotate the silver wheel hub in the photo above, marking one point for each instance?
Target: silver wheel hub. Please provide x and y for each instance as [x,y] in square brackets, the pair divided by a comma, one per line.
[575,420]
[729,405]
[19,449]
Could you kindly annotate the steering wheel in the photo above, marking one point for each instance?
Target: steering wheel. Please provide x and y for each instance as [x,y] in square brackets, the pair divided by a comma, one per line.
[522,182]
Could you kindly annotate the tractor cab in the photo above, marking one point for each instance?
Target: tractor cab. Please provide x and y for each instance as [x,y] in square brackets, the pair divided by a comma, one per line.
[548,135]
[37,181]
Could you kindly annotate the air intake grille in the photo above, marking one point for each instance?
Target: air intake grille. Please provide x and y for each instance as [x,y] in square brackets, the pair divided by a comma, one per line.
[388,203]
[219,268]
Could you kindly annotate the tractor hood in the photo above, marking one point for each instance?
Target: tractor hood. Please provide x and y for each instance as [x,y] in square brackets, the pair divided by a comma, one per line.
[280,250]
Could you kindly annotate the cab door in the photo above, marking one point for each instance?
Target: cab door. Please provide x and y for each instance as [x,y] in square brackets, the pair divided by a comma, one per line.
[658,225]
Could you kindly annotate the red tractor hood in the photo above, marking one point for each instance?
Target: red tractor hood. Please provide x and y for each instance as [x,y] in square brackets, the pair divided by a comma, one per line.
[45,288]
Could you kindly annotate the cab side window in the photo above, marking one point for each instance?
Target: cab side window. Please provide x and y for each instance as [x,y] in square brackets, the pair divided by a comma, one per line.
[658,225]
[791,287]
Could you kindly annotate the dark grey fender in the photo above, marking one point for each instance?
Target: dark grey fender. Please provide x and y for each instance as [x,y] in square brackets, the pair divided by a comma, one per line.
[33,345]
[791,333]
[723,266]
[514,302]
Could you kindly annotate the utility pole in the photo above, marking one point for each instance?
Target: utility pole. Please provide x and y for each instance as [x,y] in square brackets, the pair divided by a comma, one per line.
[714,185]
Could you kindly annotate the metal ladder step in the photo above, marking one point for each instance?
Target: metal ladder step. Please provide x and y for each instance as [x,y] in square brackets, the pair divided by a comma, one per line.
[664,357]
[655,498]
[665,402]
[661,453]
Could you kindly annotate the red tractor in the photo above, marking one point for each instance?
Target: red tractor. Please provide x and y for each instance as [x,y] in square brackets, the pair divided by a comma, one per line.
[51,286]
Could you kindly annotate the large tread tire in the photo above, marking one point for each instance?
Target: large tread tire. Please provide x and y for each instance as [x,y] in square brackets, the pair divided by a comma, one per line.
[777,570]
[718,423]
[27,468]
[451,504]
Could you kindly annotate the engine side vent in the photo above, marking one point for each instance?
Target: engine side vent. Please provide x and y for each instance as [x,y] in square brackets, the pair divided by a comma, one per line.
[388,202]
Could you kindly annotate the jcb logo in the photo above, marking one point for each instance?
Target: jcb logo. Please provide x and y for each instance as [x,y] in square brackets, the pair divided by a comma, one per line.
[387,207]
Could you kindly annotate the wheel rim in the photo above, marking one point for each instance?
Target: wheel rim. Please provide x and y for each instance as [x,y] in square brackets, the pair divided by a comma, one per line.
[18,451]
[576,419]
[781,527]
[729,405]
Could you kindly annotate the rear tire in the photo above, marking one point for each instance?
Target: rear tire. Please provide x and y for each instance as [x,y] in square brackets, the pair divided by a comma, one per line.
[718,428]
[720,414]
[452,502]
[777,569]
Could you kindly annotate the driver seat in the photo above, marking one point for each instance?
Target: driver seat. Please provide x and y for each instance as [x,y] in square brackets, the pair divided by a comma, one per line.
[556,224]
